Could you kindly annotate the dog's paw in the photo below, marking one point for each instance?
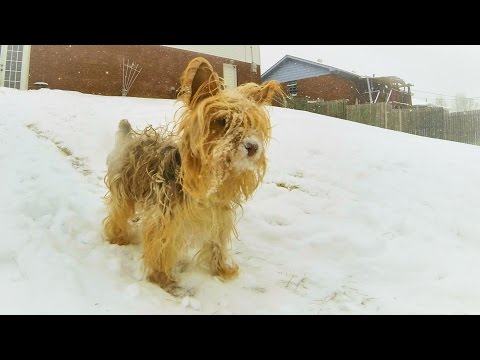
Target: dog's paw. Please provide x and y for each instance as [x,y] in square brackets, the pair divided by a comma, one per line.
[119,240]
[179,291]
[169,285]
[161,279]
[228,272]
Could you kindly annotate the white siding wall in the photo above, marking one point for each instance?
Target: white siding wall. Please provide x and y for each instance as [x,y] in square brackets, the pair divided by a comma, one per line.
[236,52]
[25,67]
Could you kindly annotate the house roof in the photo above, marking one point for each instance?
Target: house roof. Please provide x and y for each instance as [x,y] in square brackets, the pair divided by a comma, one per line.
[291,68]
[331,69]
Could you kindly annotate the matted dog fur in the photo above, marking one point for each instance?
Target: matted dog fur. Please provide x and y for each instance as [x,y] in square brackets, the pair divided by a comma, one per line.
[187,184]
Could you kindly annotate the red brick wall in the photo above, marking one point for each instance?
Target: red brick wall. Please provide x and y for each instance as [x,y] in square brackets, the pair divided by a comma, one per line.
[97,69]
[327,87]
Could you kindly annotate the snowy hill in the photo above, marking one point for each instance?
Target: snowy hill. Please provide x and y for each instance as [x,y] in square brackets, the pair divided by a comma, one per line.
[351,219]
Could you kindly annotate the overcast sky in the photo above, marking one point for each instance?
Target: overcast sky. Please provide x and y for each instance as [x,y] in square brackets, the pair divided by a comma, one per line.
[443,69]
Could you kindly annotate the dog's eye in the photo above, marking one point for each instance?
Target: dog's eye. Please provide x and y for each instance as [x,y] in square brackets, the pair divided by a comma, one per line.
[221,123]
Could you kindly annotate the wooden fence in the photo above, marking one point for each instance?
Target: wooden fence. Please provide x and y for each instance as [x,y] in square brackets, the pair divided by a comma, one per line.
[424,121]
[434,122]
[337,108]
[464,127]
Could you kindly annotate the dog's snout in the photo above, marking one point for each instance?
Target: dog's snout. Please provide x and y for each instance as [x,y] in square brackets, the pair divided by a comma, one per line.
[251,148]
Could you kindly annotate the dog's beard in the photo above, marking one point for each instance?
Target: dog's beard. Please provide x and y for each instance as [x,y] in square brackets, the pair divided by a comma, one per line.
[230,159]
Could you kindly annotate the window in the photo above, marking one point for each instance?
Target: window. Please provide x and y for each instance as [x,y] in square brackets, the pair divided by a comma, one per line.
[13,66]
[292,88]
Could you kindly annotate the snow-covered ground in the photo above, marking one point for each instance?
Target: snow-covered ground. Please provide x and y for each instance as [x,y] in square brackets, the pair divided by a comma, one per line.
[351,219]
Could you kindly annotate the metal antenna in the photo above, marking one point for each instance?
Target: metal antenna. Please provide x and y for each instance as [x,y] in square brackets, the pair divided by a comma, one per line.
[130,74]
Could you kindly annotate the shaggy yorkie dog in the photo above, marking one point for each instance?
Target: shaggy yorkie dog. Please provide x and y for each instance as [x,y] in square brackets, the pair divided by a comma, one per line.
[187,185]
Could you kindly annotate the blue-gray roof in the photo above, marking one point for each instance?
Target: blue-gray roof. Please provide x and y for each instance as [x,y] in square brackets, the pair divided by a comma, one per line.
[291,68]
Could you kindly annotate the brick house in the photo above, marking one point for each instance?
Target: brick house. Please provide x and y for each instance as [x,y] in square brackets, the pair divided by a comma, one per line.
[98,69]
[317,81]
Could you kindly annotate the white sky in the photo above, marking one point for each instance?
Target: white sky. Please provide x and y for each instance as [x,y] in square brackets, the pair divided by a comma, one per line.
[443,69]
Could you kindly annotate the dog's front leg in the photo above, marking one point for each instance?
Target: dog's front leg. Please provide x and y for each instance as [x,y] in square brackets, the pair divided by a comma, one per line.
[218,261]
[215,252]
[161,249]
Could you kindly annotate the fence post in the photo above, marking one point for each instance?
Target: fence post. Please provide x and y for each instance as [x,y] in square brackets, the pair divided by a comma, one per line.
[385,107]
[400,119]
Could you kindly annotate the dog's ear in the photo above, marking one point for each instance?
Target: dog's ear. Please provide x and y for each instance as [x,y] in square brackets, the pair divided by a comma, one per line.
[262,94]
[198,82]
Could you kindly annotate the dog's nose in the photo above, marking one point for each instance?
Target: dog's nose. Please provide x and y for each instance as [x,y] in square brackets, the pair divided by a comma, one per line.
[251,148]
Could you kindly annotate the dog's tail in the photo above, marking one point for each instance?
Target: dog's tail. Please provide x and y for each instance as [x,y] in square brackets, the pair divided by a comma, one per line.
[124,130]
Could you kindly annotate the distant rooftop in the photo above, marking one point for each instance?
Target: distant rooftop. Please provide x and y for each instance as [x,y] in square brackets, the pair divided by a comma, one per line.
[288,69]
[331,69]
